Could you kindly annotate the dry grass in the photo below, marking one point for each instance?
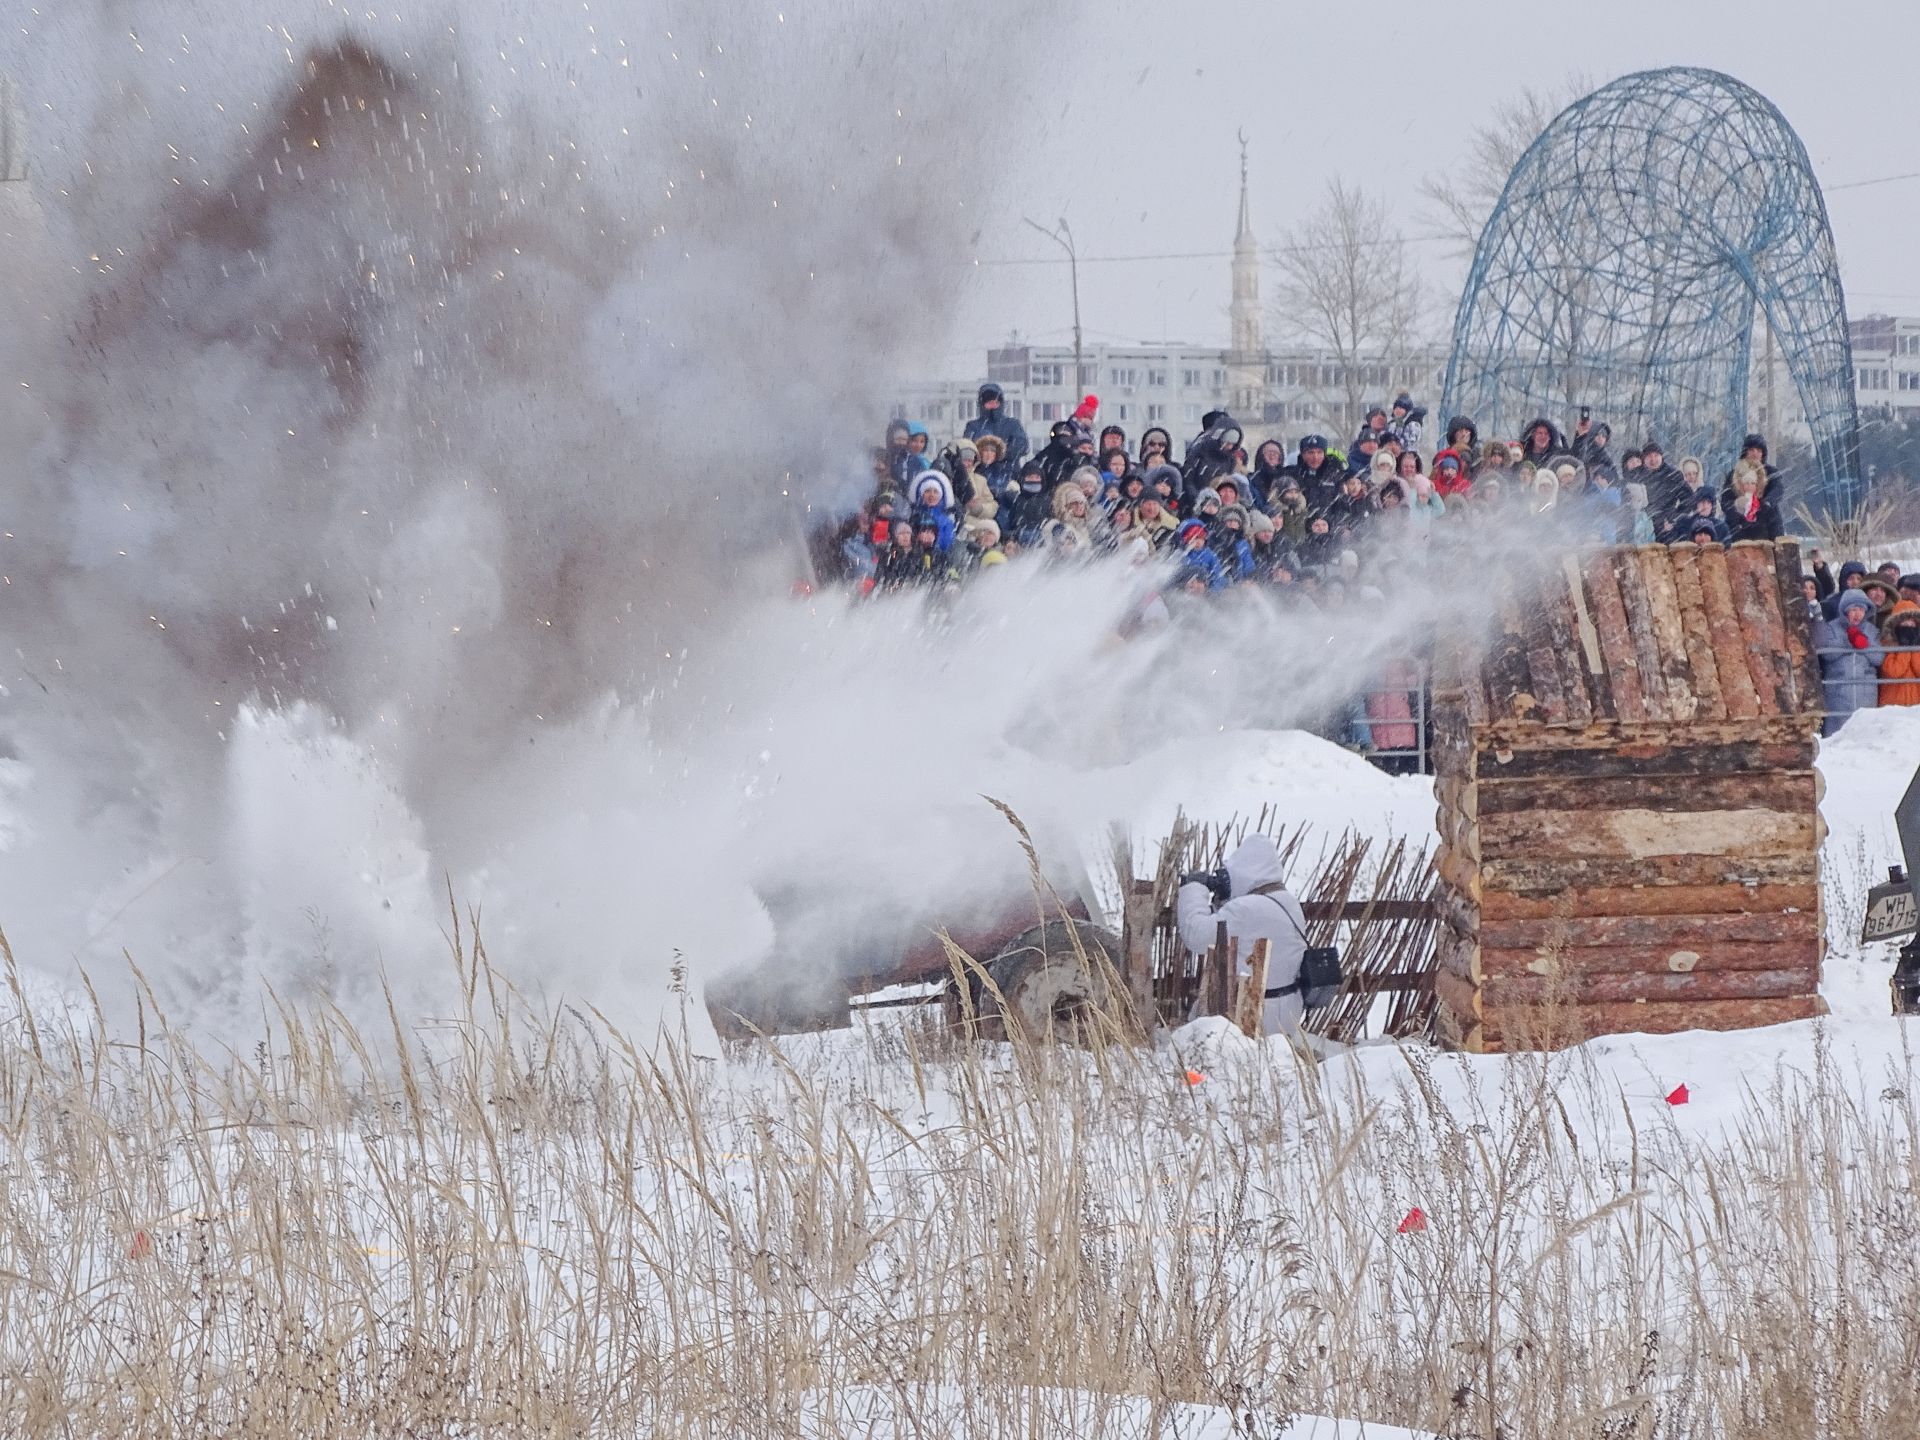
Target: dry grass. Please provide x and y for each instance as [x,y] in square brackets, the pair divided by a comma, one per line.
[514,1222]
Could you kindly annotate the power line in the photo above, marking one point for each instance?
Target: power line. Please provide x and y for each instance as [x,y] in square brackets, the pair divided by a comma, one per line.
[1220,254]
[1863,184]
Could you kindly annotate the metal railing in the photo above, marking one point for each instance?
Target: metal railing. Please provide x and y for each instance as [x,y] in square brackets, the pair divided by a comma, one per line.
[1878,680]
[1414,759]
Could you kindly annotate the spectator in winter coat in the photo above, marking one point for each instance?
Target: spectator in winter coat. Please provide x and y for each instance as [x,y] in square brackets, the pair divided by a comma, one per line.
[919,442]
[1590,444]
[1374,428]
[1213,454]
[1668,498]
[1351,508]
[1754,448]
[1321,546]
[1425,505]
[1463,438]
[1228,540]
[1269,463]
[1753,515]
[1195,556]
[1365,449]
[1032,506]
[994,420]
[1112,438]
[980,546]
[1540,442]
[1607,519]
[1289,511]
[1450,476]
[1262,538]
[1408,421]
[1883,596]
[933,505]
[902,464]
[1001,475]
[859,562]
[1155,521]
[1495,459]
[1851,575]
[1902,630]
[1909,587]
[1252,903]
[960,463]
[1318,474]
[1156,447]
[1852,659]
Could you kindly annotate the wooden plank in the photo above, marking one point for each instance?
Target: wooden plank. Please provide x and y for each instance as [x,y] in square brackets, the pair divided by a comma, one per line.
[1555,958]
[1594,685]
[1803,665]
[1557,609]
[1710,705]
[1499,1024]
[1509,682]
[1758,607]
[1667,793]
[1641,834]
[1501,991]
[1642,619]
[1599,901]
[1616,642]
[1534,874]
[1500,746]
[1676,671]
[1729,641]
[1671,755]
[1543,665]
[1653,933]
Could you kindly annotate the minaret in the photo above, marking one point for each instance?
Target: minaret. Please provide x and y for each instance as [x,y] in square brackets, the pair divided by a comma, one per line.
[1246,357]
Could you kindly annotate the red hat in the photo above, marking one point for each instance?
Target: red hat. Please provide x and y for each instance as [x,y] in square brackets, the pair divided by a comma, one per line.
[1086,409]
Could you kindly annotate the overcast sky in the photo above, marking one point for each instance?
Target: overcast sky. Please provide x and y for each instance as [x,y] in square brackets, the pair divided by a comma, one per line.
[1138,151]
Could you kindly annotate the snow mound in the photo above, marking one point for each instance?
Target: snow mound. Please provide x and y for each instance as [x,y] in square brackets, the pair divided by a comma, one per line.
[936,1412]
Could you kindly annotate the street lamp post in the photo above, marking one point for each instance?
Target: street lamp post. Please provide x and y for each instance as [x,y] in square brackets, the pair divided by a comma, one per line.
[1063,237]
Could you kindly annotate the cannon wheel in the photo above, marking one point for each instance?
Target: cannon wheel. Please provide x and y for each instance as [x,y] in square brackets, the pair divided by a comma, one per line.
[1046,990]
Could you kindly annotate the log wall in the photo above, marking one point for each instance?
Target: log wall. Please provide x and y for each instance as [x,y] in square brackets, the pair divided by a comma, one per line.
[1628,806]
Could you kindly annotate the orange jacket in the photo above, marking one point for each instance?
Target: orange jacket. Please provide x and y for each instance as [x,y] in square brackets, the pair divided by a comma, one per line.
[1899,667]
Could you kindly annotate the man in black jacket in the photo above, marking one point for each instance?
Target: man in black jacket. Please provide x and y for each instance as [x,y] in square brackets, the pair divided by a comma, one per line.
[1317,476]
[1754,448]
[1669,505]
[994,420]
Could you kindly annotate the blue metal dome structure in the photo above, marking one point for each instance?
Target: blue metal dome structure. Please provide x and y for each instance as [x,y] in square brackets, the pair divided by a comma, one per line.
[1624,263]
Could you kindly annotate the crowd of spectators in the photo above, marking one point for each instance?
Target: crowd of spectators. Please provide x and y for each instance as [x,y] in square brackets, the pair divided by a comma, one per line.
[1313,526]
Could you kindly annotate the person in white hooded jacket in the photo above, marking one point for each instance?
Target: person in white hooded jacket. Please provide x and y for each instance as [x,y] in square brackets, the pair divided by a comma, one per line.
[1255,906]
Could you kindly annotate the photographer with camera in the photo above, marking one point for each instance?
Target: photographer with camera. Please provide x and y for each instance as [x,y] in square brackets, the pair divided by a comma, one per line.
[1247,895]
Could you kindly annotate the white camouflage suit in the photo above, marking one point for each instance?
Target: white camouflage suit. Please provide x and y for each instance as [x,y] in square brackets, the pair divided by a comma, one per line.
[1273,916]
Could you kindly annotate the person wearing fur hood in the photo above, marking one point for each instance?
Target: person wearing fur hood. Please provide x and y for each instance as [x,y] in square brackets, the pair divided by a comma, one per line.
[1752,515]
[1451,475]
[933,504]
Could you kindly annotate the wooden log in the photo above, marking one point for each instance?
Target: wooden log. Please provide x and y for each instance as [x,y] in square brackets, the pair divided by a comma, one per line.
[1693,619]
[1667,793]
[1803,664]
[1594,680]
[1223,962]
[1729,641]
[1501,1024]
[1758,606]
[1701,934]
[1640,834]
[1509,680]
[1648,900]
[1140,920]
[1698,958]
[1669,755]
[1584,988]
[1669,633]
[1642,635]
[1557,609]
[1461,997]
[1532,874]
[1543,664]
[1459,874]
[1459,911]
[1616,640]
[1756,730]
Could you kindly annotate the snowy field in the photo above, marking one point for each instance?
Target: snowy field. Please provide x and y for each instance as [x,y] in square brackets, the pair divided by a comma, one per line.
[515,1222]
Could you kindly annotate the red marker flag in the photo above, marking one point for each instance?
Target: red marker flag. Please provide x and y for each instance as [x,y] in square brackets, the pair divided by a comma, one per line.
[1415,1222]
[1678,1095]
[1194,1077]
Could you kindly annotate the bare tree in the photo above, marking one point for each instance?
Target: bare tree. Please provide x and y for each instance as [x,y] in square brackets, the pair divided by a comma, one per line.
[1348,289]
[1466,194]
